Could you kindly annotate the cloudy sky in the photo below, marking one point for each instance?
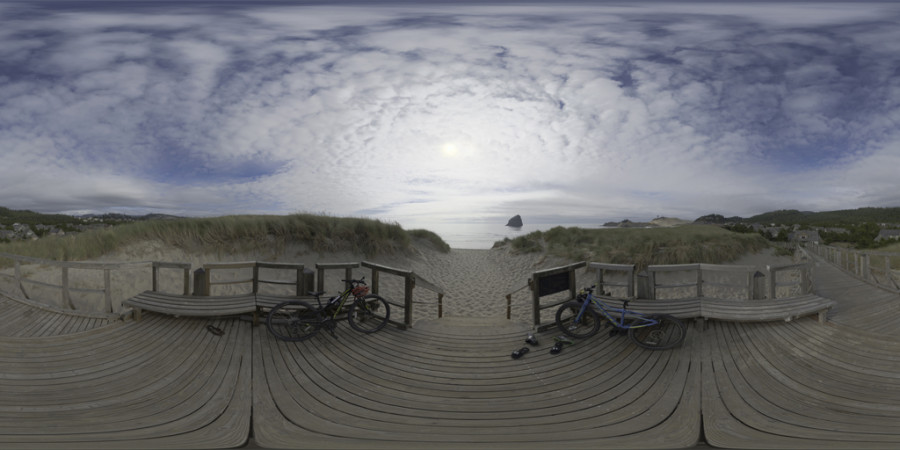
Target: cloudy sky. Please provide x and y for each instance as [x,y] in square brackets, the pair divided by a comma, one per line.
[589,111]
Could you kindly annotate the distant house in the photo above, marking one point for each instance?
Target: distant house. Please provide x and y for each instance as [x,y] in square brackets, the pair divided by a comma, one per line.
[805,236]
[887,234]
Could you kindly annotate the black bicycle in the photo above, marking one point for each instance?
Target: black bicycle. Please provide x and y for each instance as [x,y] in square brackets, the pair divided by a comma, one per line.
[297,320]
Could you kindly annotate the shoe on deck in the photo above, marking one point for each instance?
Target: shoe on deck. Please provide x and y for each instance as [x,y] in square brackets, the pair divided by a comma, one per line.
[518,353]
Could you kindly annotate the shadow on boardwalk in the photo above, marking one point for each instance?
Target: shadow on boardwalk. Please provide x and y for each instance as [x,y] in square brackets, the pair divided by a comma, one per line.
[170,383]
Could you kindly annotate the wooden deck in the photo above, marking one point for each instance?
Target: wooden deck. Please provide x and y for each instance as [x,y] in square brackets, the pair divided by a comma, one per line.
[21,318]
[859,304]
[159,383]
[459,387]
[800,386]
[165,382]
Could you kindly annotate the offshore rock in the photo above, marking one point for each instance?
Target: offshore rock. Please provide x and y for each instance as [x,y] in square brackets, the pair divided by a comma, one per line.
[515,221]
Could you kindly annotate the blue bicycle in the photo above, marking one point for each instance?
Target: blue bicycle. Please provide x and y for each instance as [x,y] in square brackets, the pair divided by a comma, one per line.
[652,331]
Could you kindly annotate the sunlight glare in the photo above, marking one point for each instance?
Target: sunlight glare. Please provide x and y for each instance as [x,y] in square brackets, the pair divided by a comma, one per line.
[450,150]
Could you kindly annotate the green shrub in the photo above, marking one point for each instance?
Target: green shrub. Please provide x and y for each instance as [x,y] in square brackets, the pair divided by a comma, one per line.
[431,237]
[641,246]
[228,233]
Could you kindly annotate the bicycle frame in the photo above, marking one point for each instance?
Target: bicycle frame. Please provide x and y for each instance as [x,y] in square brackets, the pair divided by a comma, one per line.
[340,300]
[638,319]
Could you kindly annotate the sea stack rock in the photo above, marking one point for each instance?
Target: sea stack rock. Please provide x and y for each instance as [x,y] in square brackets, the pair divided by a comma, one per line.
[515,221]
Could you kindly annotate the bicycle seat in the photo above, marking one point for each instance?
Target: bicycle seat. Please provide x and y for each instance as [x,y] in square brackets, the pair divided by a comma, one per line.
[315,293]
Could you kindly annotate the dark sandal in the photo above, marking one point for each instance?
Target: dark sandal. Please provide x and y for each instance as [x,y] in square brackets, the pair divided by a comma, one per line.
[214,330]
[518,353]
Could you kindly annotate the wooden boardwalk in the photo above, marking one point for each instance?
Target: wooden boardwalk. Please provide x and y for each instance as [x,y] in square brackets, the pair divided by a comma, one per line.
[800,385]
[860,305]
[165,382]
[21,318]
[459,388]
[160,383]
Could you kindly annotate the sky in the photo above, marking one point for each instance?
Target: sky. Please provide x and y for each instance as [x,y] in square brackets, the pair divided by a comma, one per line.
[415,112]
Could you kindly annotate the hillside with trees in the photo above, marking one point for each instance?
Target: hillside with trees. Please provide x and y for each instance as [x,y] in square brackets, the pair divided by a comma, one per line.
[828,218]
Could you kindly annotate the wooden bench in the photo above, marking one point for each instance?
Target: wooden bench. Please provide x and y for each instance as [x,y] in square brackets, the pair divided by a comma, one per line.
[682,308]
[191,305]
[785,309]
[203,306]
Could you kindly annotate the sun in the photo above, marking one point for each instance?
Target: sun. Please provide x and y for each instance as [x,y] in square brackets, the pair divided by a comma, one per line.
[450,150]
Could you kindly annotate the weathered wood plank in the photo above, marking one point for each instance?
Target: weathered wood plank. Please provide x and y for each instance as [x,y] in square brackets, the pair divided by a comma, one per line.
[414,388]
[187,388]
[798,386]
[193,306]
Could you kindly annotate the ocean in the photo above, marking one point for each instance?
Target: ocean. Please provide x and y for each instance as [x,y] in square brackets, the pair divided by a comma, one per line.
[483,235]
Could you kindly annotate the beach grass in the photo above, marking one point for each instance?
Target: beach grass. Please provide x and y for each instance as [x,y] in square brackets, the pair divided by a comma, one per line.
[641,246]
[319,233]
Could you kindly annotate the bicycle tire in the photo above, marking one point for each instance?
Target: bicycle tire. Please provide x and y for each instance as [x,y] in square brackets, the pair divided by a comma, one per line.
[293,321]
[368,314]
[586,327]
[668,333]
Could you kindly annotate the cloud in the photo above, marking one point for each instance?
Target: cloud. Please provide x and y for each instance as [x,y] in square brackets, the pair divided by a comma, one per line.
[581,110]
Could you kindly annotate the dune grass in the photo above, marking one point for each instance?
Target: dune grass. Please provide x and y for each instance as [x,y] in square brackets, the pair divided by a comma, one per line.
[641,246]
[248,232]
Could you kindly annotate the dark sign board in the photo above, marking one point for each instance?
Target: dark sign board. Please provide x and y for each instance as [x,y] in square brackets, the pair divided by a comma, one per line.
[552,284]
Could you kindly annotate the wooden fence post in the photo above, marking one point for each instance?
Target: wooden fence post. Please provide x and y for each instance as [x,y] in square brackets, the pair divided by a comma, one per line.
[409,285]
[320,278]
[154,283]
[374,280]
[770,278]
[66,296]
[256,278]
[865,266]
[804,280]
[107,292]
[700,281]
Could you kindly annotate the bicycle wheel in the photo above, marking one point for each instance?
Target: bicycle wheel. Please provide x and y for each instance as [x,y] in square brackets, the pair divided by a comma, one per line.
[667,333]
[368,314]
[293,321]
[587,326]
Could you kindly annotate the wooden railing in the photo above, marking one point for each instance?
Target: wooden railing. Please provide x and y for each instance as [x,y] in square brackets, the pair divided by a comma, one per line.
[186,274]
[871,266]
[303,284]
[252,274]
[66,286]
[677,281]
[550,281]
[205,281]
[604,282]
